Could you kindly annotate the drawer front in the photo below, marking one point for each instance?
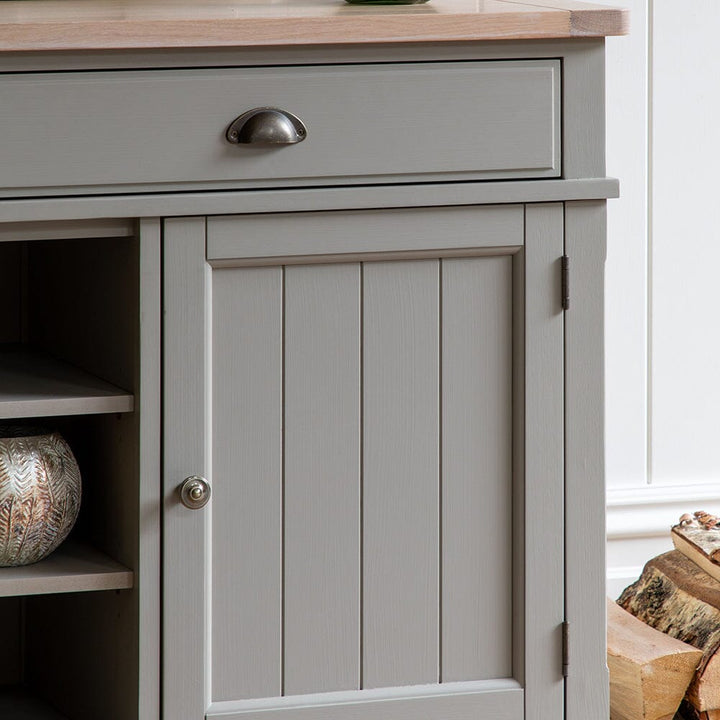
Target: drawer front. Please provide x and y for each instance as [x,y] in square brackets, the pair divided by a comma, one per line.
[414,121]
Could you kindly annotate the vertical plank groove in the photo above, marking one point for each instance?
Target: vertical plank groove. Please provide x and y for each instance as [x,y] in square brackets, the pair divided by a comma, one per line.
[518,468]
[440,471]
[322,466]
[283,513]
[401,468]
[361,514]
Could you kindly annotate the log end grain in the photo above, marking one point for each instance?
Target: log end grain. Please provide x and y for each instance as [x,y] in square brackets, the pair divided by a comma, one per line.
[649,671]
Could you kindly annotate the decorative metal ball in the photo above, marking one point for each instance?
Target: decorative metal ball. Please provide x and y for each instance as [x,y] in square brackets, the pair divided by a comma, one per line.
[40,490]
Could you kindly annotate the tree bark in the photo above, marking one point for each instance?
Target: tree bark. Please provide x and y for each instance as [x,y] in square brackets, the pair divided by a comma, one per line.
[678,598]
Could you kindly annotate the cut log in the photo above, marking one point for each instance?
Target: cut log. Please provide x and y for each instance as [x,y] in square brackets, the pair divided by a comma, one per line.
[688,712]
[678,598]
[700,545]
[649,671]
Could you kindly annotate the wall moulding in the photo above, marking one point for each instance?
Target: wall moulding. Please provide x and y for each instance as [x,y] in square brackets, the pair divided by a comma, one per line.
[639,521]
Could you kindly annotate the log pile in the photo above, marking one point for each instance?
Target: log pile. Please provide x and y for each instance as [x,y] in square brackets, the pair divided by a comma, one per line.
[649,671]
[676,597]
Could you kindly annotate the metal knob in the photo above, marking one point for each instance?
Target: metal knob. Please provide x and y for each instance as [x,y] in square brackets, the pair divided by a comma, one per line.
[195,492]
[266,126]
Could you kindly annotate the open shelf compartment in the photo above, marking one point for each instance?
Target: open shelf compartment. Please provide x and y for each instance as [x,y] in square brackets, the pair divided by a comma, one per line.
[16,703]
[34,384]
[73,567]
[70,362]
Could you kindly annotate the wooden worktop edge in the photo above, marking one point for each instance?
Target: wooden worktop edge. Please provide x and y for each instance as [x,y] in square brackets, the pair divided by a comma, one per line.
[594,23]
[535,19]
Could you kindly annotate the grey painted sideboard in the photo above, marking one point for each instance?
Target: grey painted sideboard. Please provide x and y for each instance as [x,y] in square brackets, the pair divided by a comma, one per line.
[382,348]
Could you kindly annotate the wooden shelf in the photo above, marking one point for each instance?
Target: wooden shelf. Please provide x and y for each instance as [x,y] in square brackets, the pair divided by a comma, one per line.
[33,384]
[73,567]
[20,704]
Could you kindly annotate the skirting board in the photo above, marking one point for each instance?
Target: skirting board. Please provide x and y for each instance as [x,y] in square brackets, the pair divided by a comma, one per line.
[639,521]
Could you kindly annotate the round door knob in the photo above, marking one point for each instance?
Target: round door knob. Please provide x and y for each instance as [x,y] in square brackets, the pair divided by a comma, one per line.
[195,492]
[266,126]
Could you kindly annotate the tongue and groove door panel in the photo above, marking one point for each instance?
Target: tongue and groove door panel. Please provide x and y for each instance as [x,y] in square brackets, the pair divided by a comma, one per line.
[361,418]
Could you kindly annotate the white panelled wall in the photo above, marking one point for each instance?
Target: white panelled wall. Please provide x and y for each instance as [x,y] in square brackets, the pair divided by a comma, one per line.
[663,279]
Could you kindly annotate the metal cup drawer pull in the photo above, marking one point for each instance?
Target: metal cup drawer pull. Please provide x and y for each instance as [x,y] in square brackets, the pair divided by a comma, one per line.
[266,126]
[195,492]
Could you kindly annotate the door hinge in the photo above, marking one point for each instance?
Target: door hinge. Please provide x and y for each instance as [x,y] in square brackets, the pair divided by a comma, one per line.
[565,282]
[565,648]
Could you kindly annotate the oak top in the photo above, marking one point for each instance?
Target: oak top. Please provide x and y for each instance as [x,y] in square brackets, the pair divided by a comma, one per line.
[27,25]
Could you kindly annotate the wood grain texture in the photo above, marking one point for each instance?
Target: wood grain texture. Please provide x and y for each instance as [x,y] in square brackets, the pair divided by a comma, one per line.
[700,545]
[247,486]
[308,234]
[186,403]
[476,468]
[649,670]
[519,654]
[78,25]
[149,387]
[66,230]
[543,463]
[587,19]
[514,106]
[401,473]
[36,385]
[501,699]
[297,199]
[677,597]
[584,110]
[322,479]
[587,684]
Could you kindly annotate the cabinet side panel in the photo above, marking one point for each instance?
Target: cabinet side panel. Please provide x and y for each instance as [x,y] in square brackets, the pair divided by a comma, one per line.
[587,683]
[150,465]
[476,468]
[401,483]
[584,109]
[322,478]
[247,483]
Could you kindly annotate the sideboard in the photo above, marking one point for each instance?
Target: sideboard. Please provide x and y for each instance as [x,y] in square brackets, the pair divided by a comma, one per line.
[332,369]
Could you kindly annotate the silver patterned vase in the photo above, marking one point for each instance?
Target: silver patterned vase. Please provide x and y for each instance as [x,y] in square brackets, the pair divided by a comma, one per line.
[39,493]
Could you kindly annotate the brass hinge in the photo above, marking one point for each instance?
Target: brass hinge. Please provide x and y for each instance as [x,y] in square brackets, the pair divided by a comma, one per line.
[565,282]
[565,648]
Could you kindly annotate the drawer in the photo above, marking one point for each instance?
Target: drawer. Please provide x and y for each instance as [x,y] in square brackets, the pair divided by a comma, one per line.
[165,129]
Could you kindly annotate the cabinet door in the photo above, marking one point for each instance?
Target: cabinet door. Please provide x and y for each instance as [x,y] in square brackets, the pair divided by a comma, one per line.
[375,398]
